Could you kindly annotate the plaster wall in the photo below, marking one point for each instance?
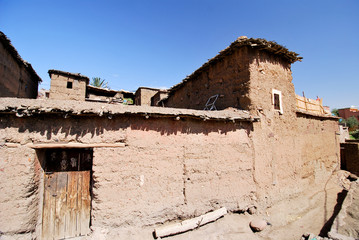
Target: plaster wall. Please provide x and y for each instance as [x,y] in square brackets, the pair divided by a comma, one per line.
[15,80]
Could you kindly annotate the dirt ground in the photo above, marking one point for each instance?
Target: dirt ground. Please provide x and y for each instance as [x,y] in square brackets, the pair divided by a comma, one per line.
[289,219]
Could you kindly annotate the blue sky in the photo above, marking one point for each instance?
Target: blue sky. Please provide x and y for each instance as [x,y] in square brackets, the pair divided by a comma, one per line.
[158,43]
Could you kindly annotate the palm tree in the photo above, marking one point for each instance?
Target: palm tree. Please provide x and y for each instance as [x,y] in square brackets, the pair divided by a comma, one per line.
[98,82]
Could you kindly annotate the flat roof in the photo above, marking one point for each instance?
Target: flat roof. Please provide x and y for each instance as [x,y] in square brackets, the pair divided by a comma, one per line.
[31,107]
[68,74]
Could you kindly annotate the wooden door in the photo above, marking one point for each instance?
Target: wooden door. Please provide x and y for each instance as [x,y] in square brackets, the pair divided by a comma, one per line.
[67,199]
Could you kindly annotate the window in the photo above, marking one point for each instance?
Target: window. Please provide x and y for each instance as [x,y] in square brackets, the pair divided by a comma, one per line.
[277,100]
[69,85]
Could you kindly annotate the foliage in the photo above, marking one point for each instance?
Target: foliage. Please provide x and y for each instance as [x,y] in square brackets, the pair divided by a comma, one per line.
[355,134]
[351,122]
[98,82]
[335,112]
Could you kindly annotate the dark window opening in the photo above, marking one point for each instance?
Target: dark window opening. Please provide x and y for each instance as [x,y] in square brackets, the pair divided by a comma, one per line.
[276,101]
[64,160]
[69,85]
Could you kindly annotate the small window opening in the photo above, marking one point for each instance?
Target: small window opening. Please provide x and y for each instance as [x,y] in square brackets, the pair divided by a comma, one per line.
[277,100]
[69,85]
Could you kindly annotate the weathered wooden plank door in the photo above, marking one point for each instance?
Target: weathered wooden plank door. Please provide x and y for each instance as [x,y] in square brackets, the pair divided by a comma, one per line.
[67,200]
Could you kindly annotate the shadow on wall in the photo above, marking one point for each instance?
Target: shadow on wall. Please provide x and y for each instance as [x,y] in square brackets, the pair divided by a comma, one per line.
[185,126]
[72,126]
[79,126]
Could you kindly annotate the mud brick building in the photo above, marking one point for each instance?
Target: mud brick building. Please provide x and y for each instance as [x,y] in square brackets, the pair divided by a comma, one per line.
[146,96]
[66,85]
[145,166]
[74,86]
[17,77]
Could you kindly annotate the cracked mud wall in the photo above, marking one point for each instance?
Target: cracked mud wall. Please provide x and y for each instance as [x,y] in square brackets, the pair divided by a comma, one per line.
[172,169]
[19,198]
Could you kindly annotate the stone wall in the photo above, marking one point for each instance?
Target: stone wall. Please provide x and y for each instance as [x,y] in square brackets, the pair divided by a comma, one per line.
[229,78]
[59,88]
[15,80]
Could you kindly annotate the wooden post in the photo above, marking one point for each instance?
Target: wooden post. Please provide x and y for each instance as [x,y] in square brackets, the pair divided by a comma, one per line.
[305,101]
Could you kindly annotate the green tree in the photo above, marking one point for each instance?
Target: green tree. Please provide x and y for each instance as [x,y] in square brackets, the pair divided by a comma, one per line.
[335,112]
[351,122]
[98,82]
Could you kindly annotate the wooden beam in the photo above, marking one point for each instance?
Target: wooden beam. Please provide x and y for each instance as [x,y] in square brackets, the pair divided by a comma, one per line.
[190,223]
[75,145]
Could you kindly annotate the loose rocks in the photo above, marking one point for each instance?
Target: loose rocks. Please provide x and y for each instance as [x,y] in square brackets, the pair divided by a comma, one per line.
[258,225]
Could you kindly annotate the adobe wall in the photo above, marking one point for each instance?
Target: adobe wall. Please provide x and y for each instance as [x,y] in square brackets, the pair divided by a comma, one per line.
[168,169]
[293,154]
[143,96]
[59,90]
[158,97]
[267,72]
[15,80]
[228,77]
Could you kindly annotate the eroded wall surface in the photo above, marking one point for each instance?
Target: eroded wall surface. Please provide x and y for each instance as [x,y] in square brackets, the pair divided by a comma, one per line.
[228,77]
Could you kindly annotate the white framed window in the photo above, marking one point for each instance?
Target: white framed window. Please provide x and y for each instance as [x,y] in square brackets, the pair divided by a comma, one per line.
[277,100]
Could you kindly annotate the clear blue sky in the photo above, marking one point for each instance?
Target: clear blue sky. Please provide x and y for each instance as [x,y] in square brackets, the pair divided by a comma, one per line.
[158,43]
